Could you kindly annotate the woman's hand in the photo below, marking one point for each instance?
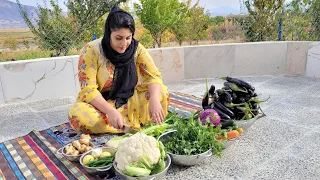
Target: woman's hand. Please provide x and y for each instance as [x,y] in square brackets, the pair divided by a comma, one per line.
[115,118]
[155,110]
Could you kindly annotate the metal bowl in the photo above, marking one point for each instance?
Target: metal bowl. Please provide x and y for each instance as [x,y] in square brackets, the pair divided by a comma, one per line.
[158,176]
[63,152]
[246,124]
[98,170]
[184,160]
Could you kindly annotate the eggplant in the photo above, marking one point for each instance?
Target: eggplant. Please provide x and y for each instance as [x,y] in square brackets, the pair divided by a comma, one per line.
[234,95]
[225,98]
[221,114]
[228,97]
[251,92]
[254,105]
[223,108]
[211,90]
[205,100]
[226,88]
[234,87]
[241,100]
[220,91]
[207,107]
[238,82]
[225,124]
[255,112]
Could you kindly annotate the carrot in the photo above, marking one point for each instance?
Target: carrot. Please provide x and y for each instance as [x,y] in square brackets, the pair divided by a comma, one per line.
[232,134]
[240,130]
[219,137]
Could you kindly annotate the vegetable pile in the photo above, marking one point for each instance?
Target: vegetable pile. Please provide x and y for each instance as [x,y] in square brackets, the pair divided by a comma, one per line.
[97,158]
[79,146]
[140,155]
[237,100]
[192,137]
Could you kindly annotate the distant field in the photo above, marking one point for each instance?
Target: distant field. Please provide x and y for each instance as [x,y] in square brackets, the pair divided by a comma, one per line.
[15,33]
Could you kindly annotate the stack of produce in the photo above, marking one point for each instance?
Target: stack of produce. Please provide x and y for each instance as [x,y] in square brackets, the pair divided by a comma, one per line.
[237,100]
[193,137]
[79,146]
[140,155]
[97,158]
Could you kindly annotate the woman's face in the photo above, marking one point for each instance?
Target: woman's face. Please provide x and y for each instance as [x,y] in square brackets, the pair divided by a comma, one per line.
[121,39]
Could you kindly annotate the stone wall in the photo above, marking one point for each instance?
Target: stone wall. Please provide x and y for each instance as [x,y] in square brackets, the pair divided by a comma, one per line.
[48,78]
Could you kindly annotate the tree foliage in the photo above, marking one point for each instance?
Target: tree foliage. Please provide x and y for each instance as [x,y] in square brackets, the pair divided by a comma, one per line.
[157,16]
[58,31]
[263,19]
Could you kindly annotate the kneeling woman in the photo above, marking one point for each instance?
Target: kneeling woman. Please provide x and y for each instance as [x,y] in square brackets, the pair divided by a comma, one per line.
[120,84]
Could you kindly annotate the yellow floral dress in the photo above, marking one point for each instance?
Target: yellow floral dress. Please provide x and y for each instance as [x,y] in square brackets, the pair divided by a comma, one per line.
[95,74]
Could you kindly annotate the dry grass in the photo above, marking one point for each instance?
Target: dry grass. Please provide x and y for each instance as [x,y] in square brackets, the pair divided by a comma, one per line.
[18,34]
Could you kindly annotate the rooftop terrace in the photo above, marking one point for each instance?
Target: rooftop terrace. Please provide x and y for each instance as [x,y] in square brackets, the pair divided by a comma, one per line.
[282,145]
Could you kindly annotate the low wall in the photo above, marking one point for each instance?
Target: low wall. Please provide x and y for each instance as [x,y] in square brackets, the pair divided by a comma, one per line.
[48,78]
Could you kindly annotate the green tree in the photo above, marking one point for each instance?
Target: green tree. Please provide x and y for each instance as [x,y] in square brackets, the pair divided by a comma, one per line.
[296,21]
[53,30]
[315,19]
[180,28]
[157,16]
[87,13]
[217,20]
[197,24]
[262,22]
[56,31]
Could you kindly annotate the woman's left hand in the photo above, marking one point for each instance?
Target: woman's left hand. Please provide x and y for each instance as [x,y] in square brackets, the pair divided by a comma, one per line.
[155,110]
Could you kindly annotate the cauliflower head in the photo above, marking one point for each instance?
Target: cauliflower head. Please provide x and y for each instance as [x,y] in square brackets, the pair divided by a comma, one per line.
[132,149]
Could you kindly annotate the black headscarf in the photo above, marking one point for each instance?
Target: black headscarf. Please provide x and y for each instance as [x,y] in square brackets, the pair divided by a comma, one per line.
[125,74]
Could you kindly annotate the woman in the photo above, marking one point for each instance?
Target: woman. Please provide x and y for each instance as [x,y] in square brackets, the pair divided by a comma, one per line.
[120,84]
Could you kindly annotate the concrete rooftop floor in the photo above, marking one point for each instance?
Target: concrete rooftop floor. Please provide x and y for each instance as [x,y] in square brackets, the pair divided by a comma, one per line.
[282,145]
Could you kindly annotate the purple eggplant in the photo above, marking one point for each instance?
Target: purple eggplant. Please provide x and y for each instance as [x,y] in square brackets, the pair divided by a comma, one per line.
[234,87]
[223,108]
[238,82]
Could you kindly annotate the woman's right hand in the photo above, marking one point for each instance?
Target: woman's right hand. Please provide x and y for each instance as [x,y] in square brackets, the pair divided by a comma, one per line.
[115,118]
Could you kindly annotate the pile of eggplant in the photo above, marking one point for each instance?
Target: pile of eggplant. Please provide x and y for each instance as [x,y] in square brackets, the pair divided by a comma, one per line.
[237,100]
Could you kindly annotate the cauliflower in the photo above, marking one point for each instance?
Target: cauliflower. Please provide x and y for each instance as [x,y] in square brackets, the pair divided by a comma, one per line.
[140,155]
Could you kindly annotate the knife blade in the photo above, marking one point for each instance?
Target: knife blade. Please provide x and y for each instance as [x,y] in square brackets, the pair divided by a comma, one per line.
[128,129]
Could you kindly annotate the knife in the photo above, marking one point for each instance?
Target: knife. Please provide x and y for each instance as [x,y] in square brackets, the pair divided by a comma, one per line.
[127,129]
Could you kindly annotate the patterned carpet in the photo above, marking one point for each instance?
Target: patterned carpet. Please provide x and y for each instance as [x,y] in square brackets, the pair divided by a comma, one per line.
[34,156]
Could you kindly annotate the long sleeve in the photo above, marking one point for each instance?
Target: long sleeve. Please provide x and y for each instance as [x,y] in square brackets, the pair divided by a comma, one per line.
[148,70]
[87,73]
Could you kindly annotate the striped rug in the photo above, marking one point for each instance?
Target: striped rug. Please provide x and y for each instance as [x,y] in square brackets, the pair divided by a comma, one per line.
[34,156]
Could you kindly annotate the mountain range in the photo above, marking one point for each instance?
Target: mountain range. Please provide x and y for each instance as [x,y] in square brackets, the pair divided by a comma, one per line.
[10,14]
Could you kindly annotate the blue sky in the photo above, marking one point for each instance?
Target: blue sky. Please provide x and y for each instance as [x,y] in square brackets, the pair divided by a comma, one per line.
[208,4]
